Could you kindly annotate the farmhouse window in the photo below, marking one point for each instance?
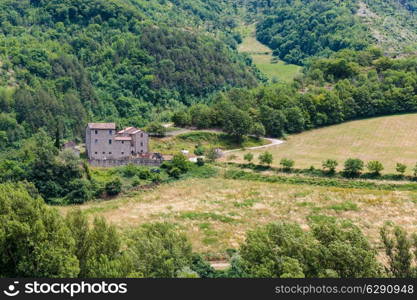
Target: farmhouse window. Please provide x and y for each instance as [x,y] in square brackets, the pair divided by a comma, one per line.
[96,131]
[96,141]
[123,153]
[110,132]
[110,141]
[110,153]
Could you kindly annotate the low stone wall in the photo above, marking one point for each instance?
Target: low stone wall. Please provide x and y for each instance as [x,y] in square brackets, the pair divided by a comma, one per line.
[108,163]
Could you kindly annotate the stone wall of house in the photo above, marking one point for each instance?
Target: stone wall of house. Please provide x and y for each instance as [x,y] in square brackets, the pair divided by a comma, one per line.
[109,163]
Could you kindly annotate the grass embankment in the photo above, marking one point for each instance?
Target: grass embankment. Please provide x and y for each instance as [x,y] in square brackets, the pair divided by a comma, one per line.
[188,141]
[390,140]
[261,54]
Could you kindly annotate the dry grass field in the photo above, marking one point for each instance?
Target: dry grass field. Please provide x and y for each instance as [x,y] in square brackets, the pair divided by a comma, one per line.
[215,213]
[263,59]
[387,139]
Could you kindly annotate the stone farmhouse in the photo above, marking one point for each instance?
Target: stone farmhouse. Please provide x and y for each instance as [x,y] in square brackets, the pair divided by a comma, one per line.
[103,142]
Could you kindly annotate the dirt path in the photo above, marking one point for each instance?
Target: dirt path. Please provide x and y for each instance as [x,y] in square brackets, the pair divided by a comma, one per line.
[274,142]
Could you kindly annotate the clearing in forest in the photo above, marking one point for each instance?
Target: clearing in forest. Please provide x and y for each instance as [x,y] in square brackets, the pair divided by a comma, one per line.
[261,54]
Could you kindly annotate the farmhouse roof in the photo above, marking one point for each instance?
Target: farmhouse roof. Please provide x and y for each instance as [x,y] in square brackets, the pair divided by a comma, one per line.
[129,130]
[102,125]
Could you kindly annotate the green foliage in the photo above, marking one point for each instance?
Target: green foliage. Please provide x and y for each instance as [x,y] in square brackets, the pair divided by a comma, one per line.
[353,167]
[160,251]
[258,130]
[200,161]
[299,29]
[266,158]
[287,164]
[286,251]
[399,248]
[34,241]
[330,165]
[177,166]
[375,167]
[401,168]
[113,187]
[212,154]
[156,129]
[98,247]
[181,119]
[248,157]
[199,150]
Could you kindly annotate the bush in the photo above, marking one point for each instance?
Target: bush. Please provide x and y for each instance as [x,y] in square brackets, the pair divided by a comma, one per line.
[375,167]
[353,167]
[136,181]
[213,154]
[266,158]
[330,165]
[80,191]
[287,164]
[401,168]
[248,157]
[199,150]
[179,165]
[113,187]
[200,162]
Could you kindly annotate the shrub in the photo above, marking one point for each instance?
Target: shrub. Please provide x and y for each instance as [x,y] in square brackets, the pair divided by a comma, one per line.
[330,165]
[401,168]
[375,167]
[266,158]
[353,167]
[287,164]
[136,181]
[213,154]
[415,171]
[199,150]
[113,187]
[200,162]
[80,191]
[248,157]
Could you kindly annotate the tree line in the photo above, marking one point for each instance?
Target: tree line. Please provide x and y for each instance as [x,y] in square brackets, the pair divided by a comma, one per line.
[349,85]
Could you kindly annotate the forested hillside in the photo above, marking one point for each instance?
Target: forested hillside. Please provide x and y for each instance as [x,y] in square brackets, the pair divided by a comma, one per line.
[299,29]
[66,61]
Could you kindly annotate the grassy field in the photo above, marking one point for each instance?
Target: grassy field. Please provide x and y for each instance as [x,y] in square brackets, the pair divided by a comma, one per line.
[215,213]
[387,139]
[262,57]
[188,141]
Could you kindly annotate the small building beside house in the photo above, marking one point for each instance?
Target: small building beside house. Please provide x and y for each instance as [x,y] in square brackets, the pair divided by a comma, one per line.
[103,142]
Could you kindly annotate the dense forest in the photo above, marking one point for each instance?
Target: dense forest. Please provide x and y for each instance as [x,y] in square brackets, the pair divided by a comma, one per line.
[348,85]
[66,62]
[300,29]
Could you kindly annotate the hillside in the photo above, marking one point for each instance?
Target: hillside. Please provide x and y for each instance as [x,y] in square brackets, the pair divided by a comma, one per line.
[118,60]
[299,29]
[390,140]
